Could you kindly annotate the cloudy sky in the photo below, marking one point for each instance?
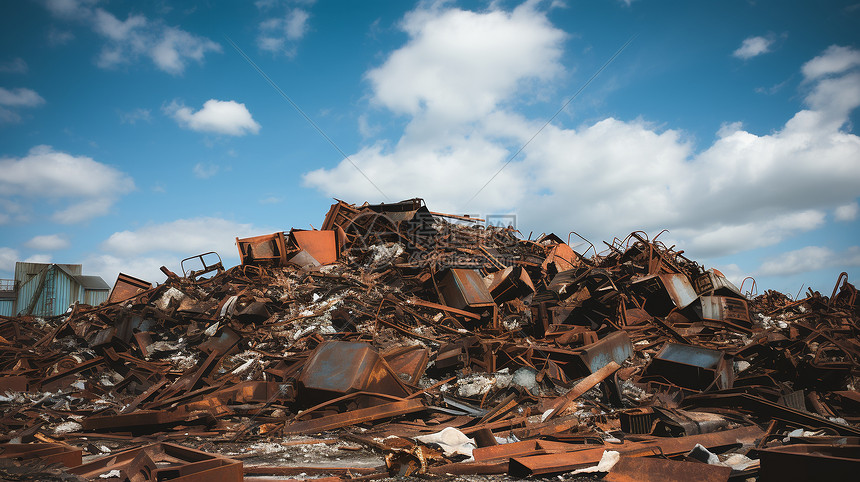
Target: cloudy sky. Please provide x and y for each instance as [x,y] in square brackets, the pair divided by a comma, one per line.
[133,135]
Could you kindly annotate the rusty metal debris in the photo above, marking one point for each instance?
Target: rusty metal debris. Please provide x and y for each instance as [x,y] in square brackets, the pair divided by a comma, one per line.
[394,322]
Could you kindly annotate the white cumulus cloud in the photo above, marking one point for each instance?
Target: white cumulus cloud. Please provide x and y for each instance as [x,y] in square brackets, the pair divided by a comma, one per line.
[809,258]
[183,236]
[219,116]
[835,60]
[753,47]
[141,252]
[460,64]
[47,242]
[87,188]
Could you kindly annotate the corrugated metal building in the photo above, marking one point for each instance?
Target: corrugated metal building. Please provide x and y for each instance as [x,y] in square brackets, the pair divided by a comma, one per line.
[42,289]
[7,297]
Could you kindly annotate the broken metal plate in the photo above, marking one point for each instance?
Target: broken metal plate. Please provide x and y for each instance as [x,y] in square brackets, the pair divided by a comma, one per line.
[692,367]
[321,245]
[464,288]
[126,287]
[614,347]
[336,368]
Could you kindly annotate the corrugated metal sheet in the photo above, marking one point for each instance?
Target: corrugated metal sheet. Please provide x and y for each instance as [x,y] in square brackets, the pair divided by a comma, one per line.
[7,307]
[64,289]
[95,297]
[56,292]
[29,275]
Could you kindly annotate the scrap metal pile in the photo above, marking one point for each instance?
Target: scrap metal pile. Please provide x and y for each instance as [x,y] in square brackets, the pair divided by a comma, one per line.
[434,345]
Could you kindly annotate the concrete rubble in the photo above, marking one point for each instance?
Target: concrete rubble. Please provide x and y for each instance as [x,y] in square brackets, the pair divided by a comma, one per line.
[395,341]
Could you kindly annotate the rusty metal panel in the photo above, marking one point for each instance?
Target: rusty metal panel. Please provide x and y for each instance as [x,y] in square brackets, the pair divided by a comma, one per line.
[715,282]
[127,286]
[647,469]
[268,248]
[337,368]
[692,367]
[665,291]
[322,245]
[613,347]
[464,288]
[509,283]
[679,288]
[130,421]
[637,420]
[408,362]
[13,384]
[48,453]
[562,256]
[724,308]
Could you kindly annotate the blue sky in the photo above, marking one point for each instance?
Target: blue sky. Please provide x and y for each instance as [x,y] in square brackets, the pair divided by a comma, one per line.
[134,134]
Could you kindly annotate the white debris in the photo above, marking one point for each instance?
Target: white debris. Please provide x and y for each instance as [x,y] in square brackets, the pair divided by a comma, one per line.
[511,323]
[545,415]
[525,377]
[113,474]
[699,452]
[228,306]
[384,254]
[607,461]
[241,368]
[452,441]
[67,427]
[162,346]
[739,462]
[211,330]
[171,294]
[475,385]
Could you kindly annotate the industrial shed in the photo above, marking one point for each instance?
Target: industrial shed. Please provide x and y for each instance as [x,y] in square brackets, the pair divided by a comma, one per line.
[48,289]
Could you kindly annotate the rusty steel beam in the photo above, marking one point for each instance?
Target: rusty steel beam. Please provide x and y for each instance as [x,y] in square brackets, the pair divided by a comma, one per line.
[565,462]
[354,417]
[164,461]
[561,403]
[647,469]
[47,453]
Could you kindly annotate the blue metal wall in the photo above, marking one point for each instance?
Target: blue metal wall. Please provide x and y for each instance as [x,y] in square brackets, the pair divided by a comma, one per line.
[63,287]
[7,307]
[95,297]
